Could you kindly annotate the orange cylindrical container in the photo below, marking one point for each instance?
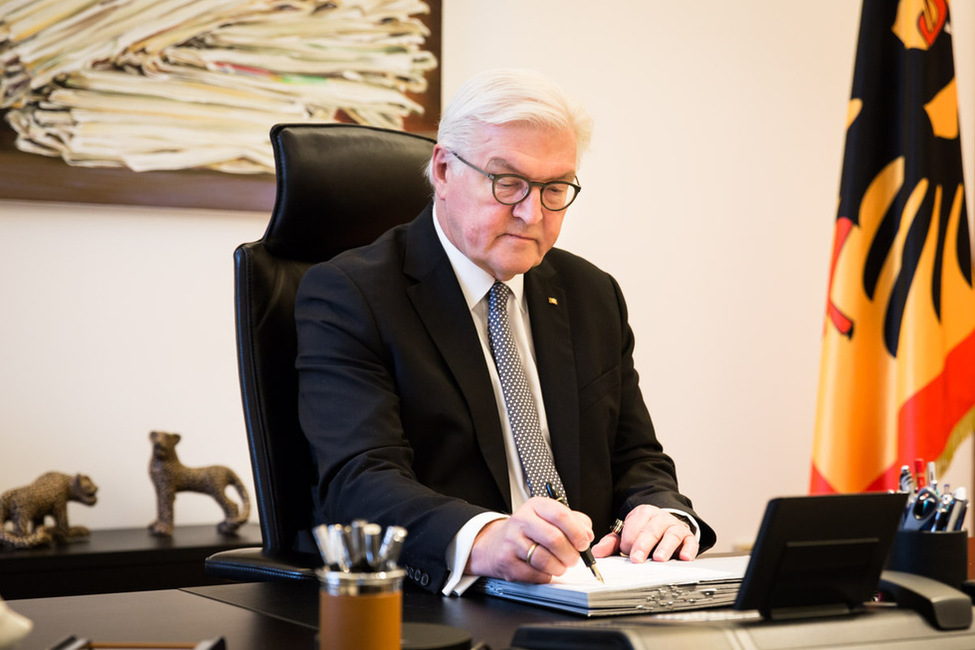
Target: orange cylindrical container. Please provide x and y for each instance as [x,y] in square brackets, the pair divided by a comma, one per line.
[360,610]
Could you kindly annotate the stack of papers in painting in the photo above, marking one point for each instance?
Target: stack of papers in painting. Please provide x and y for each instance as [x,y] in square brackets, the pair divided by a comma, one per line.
[647,588]
[173,84]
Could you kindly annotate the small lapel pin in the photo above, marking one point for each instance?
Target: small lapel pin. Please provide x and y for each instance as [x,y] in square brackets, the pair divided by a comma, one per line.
[552,300]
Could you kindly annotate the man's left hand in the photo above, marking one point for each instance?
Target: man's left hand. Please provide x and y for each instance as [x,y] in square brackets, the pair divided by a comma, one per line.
[648,528]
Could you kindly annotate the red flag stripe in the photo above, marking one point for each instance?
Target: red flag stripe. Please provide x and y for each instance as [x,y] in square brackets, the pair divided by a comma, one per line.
[926,420]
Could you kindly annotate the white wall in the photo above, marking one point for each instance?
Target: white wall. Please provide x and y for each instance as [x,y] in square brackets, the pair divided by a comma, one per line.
[710,193]
[117,321]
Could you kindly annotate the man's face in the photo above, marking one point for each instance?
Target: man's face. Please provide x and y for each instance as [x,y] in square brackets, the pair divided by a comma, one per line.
[504,240]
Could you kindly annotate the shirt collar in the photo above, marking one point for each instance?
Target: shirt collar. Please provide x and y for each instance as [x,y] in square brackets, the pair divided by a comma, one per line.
[474,281]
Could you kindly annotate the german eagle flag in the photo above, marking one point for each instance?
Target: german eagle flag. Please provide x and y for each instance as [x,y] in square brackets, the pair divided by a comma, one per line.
[897,377]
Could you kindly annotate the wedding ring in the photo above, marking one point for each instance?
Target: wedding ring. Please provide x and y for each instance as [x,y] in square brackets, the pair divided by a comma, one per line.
[528,558]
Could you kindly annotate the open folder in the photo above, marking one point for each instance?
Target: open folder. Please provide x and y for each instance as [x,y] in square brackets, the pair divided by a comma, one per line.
[632,588]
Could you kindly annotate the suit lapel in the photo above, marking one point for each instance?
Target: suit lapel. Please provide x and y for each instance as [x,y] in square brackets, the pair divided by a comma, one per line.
[552,337]
[440,303]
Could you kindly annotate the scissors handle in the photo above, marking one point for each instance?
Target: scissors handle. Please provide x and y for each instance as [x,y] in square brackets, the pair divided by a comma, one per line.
[921,513]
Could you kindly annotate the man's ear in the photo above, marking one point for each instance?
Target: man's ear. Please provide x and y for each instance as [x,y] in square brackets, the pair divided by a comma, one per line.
[439,166]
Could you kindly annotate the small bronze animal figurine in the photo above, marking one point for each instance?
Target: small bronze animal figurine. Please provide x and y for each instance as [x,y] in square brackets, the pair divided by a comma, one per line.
[170,476]
[27,507]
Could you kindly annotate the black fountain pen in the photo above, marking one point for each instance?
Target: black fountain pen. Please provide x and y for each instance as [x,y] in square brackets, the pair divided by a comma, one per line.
[586,554]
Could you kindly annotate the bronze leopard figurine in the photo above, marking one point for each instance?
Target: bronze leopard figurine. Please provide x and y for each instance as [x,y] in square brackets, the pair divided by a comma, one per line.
[26,509]
[170,476]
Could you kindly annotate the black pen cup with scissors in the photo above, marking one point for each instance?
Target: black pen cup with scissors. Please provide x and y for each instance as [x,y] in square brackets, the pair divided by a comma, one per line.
[932,541]
[940,555]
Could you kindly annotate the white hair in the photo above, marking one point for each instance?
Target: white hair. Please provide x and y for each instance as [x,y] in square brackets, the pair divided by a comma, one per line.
[506,96]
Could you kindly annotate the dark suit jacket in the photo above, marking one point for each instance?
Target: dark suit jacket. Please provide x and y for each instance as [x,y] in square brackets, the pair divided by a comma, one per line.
[396,400]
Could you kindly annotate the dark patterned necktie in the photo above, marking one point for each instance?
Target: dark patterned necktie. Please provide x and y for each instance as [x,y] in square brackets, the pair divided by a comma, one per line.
[536,457]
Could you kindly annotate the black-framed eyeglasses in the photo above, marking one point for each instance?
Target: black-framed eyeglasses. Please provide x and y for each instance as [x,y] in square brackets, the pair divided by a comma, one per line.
[511,189]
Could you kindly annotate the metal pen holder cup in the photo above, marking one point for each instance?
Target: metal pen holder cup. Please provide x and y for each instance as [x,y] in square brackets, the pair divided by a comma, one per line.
[360,610]
[940,555]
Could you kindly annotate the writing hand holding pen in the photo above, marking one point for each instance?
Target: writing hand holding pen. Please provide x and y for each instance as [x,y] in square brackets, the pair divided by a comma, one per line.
[586,555]
[540,539]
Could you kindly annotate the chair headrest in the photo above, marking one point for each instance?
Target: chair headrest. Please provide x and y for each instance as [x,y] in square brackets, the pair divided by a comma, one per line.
[340,186]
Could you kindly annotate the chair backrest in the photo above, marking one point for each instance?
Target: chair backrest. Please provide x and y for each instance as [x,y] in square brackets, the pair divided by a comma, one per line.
[338,186]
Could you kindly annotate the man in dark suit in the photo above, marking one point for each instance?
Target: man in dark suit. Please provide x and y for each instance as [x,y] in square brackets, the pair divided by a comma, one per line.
[407,409]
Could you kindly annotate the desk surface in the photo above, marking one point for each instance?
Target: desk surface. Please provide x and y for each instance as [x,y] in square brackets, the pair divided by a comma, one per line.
[494,621]
[489,620]
[252,616]
[168,616]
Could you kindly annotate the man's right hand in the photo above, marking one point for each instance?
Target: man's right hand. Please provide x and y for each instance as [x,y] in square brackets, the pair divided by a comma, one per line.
[541,539]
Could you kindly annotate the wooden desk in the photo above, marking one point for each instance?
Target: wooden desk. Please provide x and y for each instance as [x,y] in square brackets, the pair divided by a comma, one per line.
[114,560]
[168,616]
[252,616]
[489,620]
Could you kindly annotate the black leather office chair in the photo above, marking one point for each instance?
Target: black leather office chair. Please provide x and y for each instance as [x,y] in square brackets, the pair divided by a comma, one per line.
[338,186]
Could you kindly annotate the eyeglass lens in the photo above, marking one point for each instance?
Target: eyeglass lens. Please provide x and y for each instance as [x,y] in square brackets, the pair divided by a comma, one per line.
[555,195]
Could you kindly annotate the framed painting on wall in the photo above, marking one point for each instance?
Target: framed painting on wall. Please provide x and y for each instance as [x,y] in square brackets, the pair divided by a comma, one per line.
[169,102]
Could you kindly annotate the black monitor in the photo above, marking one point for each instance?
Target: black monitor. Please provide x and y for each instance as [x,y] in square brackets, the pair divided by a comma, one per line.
[820,555]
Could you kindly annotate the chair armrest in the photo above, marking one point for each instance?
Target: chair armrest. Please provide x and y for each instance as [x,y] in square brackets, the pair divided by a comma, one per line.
[251,565]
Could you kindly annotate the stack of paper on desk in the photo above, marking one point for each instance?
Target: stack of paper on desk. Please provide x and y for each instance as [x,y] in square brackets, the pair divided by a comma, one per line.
[633,588]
